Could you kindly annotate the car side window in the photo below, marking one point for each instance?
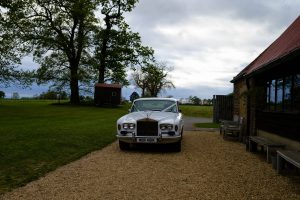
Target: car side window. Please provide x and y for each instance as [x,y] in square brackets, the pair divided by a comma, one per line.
[172,109]
[134,108]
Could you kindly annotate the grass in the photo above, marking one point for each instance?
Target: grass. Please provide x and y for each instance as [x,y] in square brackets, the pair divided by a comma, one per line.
[207,125]
[37,137]
[197,111]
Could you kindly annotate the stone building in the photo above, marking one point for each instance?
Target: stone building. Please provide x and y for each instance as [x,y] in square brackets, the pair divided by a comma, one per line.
[267,91]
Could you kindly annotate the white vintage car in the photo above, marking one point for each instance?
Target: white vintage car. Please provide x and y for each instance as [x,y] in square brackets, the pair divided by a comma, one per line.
[151,120]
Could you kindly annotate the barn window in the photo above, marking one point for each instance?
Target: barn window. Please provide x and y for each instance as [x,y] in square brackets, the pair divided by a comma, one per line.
[287,97]
[296,92]
[283,94]
[272,95]
[279,95]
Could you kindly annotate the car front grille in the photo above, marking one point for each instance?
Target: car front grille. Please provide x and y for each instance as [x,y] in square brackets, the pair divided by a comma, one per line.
[147,127]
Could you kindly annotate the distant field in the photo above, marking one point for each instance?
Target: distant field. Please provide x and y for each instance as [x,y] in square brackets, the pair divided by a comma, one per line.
[197,111]
[37,137]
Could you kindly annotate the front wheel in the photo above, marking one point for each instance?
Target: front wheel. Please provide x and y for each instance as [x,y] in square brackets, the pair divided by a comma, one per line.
[123,145]
[177,146]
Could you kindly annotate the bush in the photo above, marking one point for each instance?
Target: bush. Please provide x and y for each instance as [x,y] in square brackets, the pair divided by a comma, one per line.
[2,94]
[53,95]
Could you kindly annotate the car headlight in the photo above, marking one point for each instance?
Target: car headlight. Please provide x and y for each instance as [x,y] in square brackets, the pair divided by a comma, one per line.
[166,127]
[128,126]
[176,128]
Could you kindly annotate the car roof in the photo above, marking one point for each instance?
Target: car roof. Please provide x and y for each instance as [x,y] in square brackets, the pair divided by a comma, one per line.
[156,98]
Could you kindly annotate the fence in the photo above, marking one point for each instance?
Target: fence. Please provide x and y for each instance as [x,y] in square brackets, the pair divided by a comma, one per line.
[223,107]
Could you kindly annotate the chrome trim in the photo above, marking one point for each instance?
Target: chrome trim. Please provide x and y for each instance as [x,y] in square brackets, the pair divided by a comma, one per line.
[160,140]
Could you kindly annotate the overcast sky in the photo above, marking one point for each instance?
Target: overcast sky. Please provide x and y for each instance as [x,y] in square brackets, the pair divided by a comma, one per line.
[207,42]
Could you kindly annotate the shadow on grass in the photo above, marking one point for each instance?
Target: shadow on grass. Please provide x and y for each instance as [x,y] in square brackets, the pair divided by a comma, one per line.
[88,104]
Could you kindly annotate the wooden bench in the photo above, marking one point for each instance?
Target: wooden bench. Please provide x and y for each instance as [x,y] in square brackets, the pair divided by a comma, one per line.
[263,142]
[231,128]
[292,157]
[236,121]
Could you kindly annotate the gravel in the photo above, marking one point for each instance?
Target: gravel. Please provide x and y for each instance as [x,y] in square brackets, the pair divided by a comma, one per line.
[207,168]
[190,121]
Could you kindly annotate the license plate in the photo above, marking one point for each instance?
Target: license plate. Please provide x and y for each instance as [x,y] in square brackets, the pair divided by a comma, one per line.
[146,140]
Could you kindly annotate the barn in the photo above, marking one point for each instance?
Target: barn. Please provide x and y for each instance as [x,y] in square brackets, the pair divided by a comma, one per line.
[267,91]
[107,94]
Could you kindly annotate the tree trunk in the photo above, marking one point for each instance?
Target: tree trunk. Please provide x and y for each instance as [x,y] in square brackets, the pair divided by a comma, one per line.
[102,66]
[143,92]
[101,70]
[103,52]
[74,85]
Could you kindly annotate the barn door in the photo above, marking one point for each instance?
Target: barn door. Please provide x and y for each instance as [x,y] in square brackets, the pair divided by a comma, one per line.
[223,107]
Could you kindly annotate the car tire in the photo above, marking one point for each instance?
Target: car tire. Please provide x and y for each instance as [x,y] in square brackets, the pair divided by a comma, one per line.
[123,145]
[177,146]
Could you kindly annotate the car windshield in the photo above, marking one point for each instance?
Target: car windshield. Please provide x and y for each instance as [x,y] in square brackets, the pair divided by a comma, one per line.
[154,105]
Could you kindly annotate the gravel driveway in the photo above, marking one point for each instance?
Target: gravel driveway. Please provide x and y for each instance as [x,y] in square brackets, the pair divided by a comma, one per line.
[207,168]
[190,121]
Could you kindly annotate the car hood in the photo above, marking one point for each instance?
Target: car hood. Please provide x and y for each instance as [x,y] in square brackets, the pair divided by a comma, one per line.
[166,117]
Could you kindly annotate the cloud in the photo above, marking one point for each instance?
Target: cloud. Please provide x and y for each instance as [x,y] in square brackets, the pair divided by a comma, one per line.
[209,42]
[25,92]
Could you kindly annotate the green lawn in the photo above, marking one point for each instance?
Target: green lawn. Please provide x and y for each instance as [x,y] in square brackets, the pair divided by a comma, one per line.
[197,111]
[37,137]
[207,125]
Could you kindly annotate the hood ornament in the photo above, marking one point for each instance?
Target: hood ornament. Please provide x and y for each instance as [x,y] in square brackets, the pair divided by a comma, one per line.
[148,114]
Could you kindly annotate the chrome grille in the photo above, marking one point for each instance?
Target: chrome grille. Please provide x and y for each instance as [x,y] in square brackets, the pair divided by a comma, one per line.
[147,127]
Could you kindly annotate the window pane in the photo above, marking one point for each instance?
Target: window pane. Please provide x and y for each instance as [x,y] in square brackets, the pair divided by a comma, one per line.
[268,96]
[287,93]
[296,92]
[279,94]
[272,95]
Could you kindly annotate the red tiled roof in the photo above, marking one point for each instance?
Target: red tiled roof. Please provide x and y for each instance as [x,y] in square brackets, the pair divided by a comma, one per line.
[108,85]
[288,42]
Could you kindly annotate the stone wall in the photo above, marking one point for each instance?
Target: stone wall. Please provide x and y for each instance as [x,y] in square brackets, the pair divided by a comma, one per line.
[240,99]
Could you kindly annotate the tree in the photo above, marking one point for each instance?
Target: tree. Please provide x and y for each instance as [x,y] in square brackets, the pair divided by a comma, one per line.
[117,47]
[70,43]
[140,80]
[195,100]
[10,59]
[2,94]
[124,51]
[55,32]
[134,96]
[112,10]
[50,94]
[152,79]
[7,57]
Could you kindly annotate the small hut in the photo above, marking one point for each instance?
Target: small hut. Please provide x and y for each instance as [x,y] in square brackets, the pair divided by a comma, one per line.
[107,94]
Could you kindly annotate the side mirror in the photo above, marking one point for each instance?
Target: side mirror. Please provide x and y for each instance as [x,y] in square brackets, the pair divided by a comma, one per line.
[129,110]
[180,111]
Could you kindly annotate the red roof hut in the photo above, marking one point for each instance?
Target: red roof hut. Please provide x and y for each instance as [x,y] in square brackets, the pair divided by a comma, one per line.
[107,94]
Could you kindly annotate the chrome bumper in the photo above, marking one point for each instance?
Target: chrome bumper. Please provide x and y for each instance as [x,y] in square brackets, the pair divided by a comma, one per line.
[160,140]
